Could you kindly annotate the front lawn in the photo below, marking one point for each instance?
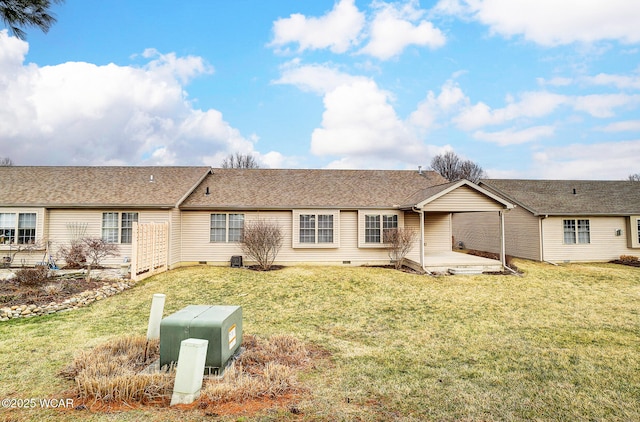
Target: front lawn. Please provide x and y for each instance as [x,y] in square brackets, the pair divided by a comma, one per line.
[559,343]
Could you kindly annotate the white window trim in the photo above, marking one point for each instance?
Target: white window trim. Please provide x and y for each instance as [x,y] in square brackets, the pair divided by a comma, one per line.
[634,232]
[226,226]
[118,227]
[17,212]
[295,241]
[577,231]
[361,226]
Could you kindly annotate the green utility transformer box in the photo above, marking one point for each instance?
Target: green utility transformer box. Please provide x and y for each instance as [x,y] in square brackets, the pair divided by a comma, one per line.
[220,325]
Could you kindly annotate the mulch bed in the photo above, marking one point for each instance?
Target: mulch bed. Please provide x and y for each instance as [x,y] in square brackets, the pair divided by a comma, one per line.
[13,293]
[628,263]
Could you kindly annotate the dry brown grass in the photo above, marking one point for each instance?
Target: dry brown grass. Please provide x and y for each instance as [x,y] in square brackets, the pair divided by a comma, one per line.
[110,373]
[267,368]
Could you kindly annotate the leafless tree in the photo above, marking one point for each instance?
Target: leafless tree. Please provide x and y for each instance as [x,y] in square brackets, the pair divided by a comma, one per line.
[261,241]
[96,249]
[634,177]
[453,168]
[399,242]
[240,161]
[6,162]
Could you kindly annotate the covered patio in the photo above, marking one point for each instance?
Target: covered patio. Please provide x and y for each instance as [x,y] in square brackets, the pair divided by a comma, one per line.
[436,208]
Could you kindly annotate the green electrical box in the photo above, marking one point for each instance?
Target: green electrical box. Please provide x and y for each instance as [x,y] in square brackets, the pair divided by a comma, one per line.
[220,325]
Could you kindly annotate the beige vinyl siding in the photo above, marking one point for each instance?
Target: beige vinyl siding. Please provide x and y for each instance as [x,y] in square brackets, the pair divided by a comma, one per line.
[437,228]
[35,256]
[412,222]
[59,233]
[604,244]
[477,230]
[522,234]
[463,199]
[175,236]
[196,246]
[481,231]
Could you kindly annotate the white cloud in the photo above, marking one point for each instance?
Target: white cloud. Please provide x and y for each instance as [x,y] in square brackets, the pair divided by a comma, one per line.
[555,81]
[531,105]
[610,160]
[619,81]
[182,68]
[434,108]
[552,22]
[604,105]
[337,30]
[316,78]
[624,126]
[359,121]
[396,26]
[515,137]
[79,113]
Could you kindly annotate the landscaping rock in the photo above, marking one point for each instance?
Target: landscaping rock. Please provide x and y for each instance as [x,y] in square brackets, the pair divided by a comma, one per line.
[85,298]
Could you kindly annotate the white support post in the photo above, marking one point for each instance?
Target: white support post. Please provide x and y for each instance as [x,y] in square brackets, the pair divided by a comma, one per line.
[422,260]
[503,259]
[134,251]
[191,360]
[155,316]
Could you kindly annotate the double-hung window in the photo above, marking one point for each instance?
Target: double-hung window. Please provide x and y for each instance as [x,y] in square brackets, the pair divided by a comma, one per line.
[576,231]
[8,228]
[316,228]
[126,228]
[374,227]
[377,226]
[18,228]
[26,228]
[118,227]
[226,227]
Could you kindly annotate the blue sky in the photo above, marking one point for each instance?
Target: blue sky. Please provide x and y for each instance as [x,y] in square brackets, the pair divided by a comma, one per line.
[525,88]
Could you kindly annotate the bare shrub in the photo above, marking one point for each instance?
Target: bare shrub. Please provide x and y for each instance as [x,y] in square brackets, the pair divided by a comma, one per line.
[33,277]
[628,258]
[261,241]
[73,255]
[96,250]
[52,289]
[400,241]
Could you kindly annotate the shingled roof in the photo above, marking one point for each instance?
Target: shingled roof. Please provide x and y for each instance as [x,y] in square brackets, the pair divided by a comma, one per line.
[289,189]
[570,197]
[61,187]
